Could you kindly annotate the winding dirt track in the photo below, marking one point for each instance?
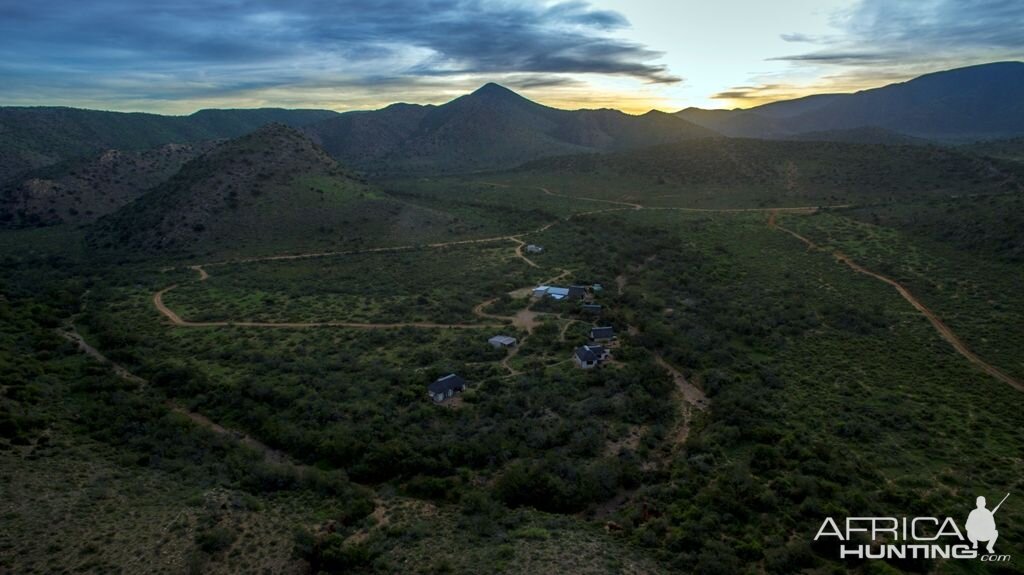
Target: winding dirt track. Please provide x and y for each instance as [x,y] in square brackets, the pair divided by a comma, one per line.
[158,302]
[269,453]
[944,331]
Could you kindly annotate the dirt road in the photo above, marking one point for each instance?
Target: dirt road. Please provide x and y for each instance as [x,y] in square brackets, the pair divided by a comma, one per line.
[691,398]
[269,453]
[944,331]
[179,322]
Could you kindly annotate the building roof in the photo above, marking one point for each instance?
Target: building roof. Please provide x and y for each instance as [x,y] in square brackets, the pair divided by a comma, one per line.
[585,355]
[602,332]
[502,339]
[443,384]
[589,353]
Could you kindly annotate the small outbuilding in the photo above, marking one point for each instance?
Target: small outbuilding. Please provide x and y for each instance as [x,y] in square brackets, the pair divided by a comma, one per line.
[445,387]
[499,341]
[592,308]
[577,291]
[602,333]
[590,356]
[534,249]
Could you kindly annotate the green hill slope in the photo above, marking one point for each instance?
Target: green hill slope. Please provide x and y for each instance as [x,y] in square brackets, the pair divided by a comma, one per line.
[739,172]
[269,191]
[81,191]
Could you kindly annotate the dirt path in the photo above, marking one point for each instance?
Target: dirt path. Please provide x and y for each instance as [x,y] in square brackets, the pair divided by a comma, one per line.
[74,337]
[519,253]
[158,302]
[691,398]
[505,363]
[632,205]
[269,453]
[565,328]
[944,331]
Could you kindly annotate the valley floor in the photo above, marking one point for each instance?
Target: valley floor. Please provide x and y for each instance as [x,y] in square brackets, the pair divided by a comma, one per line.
[268,413]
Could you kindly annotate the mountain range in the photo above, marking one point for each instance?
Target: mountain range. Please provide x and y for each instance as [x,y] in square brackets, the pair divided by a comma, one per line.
[495,128]
[65,165]
[490,128]
[972,103]
[36,137]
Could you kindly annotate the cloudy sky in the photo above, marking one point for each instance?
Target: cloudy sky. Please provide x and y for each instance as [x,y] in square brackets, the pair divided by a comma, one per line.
[179,56]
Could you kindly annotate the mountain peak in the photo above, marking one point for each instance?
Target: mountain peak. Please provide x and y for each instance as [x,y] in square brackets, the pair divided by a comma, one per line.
[493,89]
[497,93]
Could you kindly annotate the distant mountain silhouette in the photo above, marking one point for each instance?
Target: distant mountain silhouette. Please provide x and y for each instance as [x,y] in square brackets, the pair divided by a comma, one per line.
[976,102]
[492,127]
[35,137]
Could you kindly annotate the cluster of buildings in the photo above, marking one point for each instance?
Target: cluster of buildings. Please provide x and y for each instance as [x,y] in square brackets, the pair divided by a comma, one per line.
[588,356]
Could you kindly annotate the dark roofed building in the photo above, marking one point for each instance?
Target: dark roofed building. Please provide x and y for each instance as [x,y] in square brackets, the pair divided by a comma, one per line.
[602,333]
[446,387]
[593,308]
[577,291]
[589,356]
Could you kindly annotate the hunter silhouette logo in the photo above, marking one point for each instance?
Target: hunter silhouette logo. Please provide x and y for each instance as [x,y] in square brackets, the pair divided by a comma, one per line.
[981,524]
[916,537]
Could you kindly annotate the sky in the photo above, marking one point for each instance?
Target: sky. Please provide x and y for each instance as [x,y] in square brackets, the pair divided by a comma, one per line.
[180,56]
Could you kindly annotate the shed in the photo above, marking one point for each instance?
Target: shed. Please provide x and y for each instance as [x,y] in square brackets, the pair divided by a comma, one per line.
[502,341]
[445,387]
[602,333]
[534,249]
[593,308]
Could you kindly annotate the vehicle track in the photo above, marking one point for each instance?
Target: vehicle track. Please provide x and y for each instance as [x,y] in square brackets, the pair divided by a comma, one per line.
[944,330]
[269,453]
[158,302]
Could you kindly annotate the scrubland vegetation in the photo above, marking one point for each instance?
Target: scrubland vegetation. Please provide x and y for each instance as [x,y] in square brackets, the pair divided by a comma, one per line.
[306,449]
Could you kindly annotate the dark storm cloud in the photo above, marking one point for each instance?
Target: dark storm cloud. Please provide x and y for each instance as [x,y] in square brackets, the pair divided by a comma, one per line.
[888,32]
[199,48]
[734,95]
[748,92]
